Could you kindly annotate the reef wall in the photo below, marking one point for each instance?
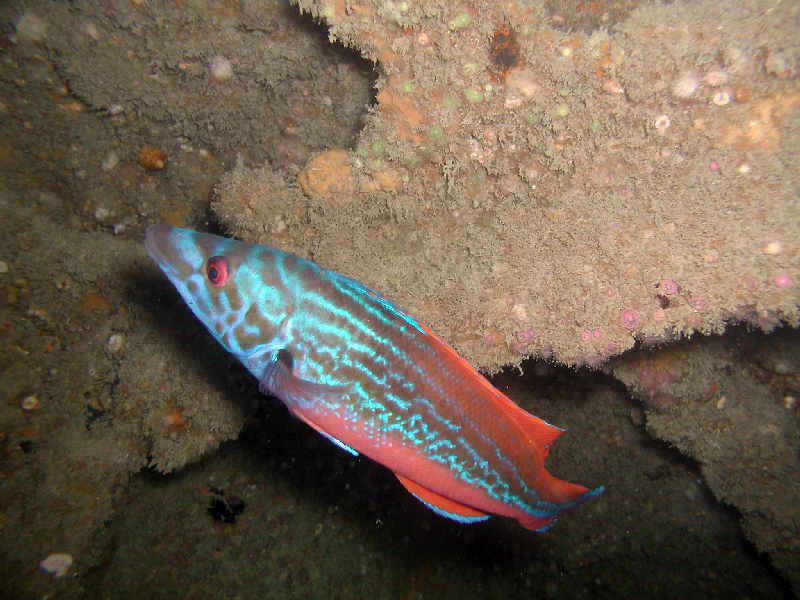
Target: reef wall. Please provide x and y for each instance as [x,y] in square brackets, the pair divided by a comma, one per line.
[531,189]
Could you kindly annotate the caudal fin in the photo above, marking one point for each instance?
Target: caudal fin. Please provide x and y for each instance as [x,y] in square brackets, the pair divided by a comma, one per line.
[578,494]
[563,493]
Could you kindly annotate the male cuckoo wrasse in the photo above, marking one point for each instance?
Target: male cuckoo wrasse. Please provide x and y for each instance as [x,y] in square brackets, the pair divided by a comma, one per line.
[370,378]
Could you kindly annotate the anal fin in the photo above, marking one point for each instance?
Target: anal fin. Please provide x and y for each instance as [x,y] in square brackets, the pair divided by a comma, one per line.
[324,433]
[441,505]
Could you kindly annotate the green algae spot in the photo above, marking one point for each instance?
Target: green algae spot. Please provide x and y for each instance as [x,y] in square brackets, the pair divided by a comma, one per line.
[435,133]
[595,125]
[562,110]
[378,147]
[473,95]
[362,151]
[327,12]
[451,102]
[531,118]
[408,87]
[460,21]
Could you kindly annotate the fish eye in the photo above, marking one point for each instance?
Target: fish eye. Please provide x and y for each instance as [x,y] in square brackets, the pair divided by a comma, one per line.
[218,270]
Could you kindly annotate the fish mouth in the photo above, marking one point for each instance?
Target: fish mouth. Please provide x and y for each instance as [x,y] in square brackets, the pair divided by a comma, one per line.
[176,251]
[157,244]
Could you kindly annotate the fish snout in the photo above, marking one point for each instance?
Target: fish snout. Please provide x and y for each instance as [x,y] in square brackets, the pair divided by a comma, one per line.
[157,243]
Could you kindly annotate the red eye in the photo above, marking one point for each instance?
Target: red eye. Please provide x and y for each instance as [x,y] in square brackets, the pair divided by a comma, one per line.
[217,270]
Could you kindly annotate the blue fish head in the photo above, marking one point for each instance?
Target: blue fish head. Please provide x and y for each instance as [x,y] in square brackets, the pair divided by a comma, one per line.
[222,281]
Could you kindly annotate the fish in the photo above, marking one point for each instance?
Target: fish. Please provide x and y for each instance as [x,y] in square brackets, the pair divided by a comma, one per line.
[372,379]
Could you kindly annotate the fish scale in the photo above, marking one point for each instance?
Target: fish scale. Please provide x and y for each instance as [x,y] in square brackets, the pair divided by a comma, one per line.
[370,377]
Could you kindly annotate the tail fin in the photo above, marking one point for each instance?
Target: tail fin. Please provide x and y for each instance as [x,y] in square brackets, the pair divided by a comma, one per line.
[563,493]
[584,494]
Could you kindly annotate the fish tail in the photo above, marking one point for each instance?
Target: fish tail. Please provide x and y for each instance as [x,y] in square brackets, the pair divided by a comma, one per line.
[572,494]
[566,494]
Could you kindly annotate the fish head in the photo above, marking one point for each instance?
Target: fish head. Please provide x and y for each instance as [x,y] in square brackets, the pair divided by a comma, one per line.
[224,284]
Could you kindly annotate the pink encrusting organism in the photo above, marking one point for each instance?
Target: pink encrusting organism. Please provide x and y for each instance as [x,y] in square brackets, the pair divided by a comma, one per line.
[699,303]
[588,334]
[630,319]
[668,287]
[525,336]
[784,280]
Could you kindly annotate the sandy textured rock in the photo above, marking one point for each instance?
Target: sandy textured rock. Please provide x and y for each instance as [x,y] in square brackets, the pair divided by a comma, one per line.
[731,404]
[570,190]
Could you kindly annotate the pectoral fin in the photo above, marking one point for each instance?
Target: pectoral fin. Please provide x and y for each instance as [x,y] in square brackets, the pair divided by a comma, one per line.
[299,394]
[441,505]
